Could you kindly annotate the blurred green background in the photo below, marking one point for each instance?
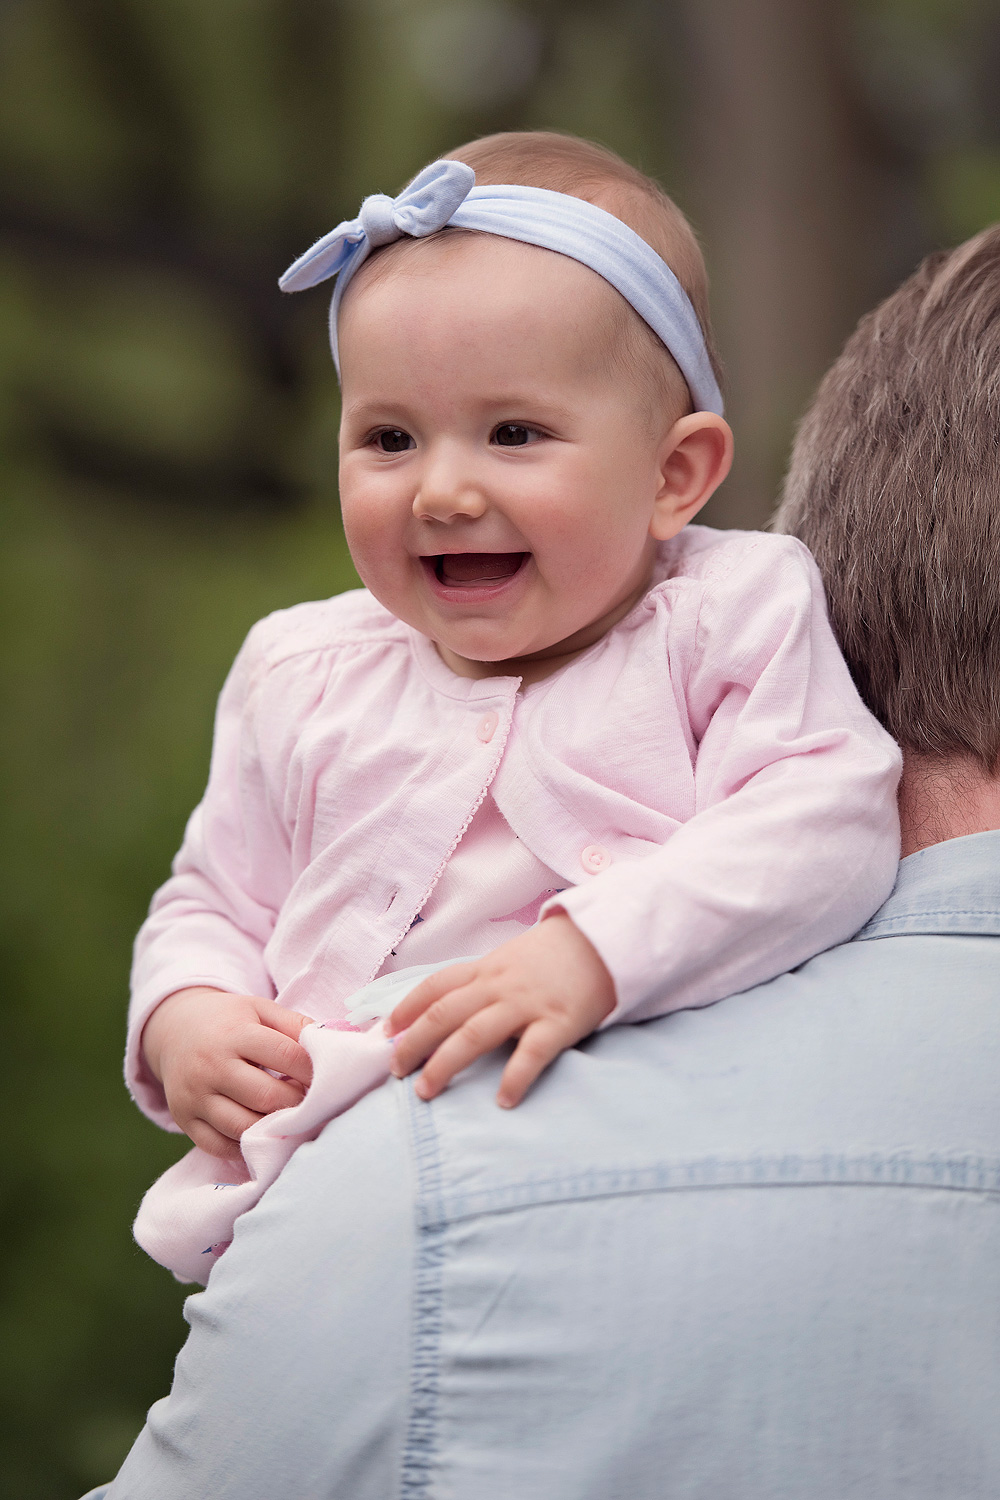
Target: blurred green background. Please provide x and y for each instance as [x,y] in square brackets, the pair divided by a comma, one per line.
[168,468]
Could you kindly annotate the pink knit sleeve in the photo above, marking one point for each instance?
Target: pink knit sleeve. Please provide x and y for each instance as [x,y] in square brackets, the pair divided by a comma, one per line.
[795,838]
[210,922]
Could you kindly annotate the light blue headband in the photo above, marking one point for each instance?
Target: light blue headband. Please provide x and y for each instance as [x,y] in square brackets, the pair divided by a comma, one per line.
[445,193]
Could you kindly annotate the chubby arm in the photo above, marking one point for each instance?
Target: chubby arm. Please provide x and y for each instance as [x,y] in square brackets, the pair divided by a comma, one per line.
[795,838]
[209,924]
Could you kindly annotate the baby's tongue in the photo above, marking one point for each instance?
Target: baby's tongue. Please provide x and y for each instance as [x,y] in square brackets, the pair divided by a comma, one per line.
[479,568]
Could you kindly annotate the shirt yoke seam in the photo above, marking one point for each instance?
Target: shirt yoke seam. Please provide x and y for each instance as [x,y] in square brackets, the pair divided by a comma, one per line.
[909,924]
[943,911]
[275,657]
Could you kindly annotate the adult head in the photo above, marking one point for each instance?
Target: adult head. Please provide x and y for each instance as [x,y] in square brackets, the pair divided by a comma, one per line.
[894,485]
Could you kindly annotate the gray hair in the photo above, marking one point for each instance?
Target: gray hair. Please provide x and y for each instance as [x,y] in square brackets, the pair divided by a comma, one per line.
[894,485]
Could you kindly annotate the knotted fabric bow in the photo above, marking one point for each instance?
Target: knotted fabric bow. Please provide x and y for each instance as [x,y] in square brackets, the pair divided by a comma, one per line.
[444,194]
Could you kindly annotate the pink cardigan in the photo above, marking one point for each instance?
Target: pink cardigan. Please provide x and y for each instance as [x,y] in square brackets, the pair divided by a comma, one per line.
[704,777]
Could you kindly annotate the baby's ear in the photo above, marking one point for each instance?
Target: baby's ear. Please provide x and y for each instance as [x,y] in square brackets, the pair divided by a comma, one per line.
[695,458]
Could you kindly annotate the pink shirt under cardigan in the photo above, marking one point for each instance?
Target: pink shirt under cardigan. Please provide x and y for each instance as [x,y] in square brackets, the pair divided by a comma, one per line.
[704,778]
[491,890]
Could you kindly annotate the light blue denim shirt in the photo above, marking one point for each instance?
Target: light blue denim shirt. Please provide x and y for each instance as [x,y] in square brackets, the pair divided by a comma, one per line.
[744,1253]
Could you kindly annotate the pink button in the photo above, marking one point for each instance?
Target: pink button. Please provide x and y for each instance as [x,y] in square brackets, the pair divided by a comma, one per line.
[594,858]
[487,727]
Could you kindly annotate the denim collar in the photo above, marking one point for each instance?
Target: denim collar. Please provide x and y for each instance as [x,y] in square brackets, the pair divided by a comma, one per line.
[952,888]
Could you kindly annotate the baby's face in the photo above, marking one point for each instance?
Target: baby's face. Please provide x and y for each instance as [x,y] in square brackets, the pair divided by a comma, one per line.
[497,473]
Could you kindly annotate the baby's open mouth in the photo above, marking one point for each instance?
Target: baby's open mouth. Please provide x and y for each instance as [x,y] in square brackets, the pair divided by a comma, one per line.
[471,570]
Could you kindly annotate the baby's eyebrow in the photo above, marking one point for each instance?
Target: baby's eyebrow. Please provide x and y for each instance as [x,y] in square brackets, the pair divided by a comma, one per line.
[510,405]
[369,409]
[525,403]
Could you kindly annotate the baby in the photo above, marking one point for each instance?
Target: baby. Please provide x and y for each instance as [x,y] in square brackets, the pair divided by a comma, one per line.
[617,757]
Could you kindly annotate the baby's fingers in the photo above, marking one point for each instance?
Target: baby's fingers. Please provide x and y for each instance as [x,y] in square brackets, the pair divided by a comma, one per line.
[211,1140]
[439,1020]
[455,977]
[483,1030]
[274,1050]
[256,1090]
[218,1129]
[278,1036]
[540,1044]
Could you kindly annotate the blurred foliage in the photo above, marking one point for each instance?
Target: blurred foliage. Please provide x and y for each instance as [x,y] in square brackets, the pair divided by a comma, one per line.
[169,435]
[168,475]
[124,623]
[931,69]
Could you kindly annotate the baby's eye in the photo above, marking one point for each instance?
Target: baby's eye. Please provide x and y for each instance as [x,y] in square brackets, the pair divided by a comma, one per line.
[513,435]
[393,440]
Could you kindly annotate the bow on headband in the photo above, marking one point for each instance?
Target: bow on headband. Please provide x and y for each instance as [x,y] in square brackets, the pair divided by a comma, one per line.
[445,193]
[422,208]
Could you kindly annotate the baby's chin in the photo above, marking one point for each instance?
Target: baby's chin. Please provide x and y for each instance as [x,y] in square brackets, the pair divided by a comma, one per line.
[524,657]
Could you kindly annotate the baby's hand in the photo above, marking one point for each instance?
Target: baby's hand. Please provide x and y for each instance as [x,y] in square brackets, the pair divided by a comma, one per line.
[549,987]
[209,1048]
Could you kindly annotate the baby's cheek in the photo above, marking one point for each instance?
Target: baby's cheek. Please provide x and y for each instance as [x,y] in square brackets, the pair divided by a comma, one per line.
[374,548]
[360,526]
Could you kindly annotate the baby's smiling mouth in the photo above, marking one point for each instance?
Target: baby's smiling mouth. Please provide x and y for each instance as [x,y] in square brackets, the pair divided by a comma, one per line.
[471,570]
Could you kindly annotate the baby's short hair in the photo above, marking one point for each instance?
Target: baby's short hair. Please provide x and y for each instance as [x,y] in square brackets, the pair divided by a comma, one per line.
[567,164]
[894,485]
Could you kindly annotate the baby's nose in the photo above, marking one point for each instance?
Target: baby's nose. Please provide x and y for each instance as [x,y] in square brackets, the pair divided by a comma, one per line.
[447,491]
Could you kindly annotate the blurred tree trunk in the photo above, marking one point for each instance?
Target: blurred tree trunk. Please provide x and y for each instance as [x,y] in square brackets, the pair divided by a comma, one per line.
[787,187]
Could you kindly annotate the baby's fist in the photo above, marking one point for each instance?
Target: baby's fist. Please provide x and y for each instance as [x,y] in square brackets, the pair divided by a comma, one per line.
[210,1050]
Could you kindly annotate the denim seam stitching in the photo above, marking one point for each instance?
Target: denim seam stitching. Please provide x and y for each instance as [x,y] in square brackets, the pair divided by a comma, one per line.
[908,923]
[969,1174]
[420,1444]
